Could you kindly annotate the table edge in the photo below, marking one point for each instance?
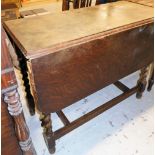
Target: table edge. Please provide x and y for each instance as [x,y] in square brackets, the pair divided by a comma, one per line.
[60,46]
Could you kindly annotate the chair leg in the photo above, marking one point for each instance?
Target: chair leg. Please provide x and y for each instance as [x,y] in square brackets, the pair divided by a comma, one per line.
[142,82]
[22,132]
[48,134]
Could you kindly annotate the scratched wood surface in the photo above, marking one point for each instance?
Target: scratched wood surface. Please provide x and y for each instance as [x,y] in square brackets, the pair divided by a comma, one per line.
[144,2]
[38,33]
[65,77]
[66,73]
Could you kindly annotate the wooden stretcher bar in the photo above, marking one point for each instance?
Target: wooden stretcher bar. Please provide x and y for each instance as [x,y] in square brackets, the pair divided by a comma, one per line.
[80,121]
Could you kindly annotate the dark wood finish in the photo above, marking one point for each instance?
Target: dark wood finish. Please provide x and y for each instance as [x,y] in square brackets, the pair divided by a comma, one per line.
[65,5]
[25,78]
[83,3]
[22,65]
[7,126]
[17,2]
[149,3]
[9,11]
[151,78]
[21,129]
[8,79]
[80,3]
[83,73]
[121,86]
[151,82]
[61,132]
[10,99]
[9,142]
[66,65]
[76,4]
[63,118]
[142,82]
[48,134]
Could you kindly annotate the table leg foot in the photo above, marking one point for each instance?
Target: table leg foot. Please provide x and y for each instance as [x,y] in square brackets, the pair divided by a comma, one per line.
[48,134]
[50,142]
[142,82]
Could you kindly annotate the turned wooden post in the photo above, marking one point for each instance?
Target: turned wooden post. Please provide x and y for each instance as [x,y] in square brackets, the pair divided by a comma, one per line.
[142,82]
[48,134]
[65,5]
[12,99]
[25,78]
[151,78]
[15,110]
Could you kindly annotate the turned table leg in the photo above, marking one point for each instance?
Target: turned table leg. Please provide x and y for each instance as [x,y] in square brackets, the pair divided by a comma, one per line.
[21,129]
[29,97]
[151,82]
[142,82]
[48,134]
[151,78]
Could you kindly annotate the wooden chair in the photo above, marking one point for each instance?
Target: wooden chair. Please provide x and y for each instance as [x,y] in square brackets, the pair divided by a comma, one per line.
[66,4]
[81,3]
[76,4]
[15,133]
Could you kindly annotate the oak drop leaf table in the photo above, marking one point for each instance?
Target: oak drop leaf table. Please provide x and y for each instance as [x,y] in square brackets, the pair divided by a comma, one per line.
[72,54]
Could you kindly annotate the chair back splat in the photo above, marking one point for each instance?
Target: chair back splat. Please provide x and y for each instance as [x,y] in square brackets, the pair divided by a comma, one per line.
[81,3]
[77,4]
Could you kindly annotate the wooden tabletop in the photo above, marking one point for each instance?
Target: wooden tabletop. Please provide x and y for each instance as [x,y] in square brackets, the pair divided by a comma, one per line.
[144,2]
[34,35]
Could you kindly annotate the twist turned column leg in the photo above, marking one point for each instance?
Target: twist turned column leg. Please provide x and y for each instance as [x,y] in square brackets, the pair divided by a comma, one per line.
[142,82]
[151,78]
[151,82]
[29,97]
[21,129]
[47,132]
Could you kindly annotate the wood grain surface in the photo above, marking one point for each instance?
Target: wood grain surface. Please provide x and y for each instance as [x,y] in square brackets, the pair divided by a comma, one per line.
[74,54]
[44,32]
[65,77]
[144,2]
[14,128]
[8,78]
[9,141]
